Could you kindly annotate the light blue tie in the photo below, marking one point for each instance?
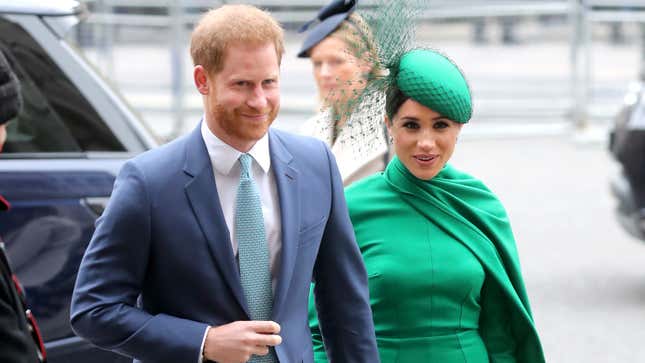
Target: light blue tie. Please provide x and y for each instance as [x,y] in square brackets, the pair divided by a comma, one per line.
[253,250]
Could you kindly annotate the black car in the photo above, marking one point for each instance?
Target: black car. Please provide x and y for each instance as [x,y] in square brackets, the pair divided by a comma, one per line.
[627,145]
[59,163]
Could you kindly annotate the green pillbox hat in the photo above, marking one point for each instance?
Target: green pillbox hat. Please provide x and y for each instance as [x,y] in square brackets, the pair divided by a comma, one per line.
[434,81]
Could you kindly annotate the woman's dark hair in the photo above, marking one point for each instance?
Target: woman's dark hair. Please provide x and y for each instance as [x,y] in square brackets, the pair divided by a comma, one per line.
[394,98]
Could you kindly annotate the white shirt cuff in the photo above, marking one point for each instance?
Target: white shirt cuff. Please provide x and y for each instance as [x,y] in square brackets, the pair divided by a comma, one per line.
[201,350]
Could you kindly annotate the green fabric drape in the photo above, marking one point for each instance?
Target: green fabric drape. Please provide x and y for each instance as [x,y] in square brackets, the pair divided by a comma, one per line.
[465,207]
[460,208]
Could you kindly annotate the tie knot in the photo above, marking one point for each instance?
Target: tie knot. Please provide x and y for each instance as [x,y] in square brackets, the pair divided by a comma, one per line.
[245,166]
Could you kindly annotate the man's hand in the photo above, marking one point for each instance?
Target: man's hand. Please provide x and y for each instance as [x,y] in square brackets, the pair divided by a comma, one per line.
[236,342]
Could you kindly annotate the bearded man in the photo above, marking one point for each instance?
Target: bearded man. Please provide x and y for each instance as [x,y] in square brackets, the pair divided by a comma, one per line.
[208,245]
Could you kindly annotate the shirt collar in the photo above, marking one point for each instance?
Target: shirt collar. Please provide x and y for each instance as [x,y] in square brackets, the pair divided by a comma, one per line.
[226,156]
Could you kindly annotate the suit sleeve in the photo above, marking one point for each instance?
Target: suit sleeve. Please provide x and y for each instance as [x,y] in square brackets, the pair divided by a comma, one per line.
[495,324]
[341,292]
[320,356]
[104,303]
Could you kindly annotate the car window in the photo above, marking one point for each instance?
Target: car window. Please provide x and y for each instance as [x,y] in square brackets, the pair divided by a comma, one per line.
[55,116]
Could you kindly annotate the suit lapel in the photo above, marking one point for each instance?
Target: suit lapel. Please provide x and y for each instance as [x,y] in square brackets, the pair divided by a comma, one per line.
[286,179]
[201,191]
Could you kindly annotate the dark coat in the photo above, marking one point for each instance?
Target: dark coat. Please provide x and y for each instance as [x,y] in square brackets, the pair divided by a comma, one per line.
[16,342]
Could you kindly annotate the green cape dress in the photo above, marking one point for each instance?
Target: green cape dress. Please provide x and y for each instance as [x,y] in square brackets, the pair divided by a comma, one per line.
[444,276]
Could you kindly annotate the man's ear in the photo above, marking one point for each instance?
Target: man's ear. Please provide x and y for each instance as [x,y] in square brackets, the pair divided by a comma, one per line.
[200,76]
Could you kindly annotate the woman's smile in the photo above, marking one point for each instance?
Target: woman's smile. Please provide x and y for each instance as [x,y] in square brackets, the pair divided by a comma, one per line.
[426,159]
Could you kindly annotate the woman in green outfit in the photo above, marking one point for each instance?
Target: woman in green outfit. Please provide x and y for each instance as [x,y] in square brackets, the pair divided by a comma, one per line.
[444,277]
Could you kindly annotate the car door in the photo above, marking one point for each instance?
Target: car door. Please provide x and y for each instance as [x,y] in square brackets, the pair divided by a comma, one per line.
[57,169]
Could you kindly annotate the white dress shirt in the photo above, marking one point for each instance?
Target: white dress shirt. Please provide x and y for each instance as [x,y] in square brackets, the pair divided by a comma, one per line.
[226,168]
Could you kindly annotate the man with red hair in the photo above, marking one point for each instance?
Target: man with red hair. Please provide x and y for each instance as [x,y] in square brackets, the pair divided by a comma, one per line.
[208,245]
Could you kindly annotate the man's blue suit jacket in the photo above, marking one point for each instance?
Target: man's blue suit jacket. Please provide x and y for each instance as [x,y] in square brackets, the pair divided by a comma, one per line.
[160,267]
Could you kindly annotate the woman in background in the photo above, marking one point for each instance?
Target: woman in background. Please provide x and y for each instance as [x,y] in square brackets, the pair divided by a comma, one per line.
[344,59]
[444,277]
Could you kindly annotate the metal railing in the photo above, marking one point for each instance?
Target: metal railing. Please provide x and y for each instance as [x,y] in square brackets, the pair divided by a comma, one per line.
[584,13]
[175,17]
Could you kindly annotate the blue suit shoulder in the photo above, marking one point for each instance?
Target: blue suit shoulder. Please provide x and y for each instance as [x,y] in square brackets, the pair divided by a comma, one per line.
[162,161]
[299,143]
[164,154]
[308,152]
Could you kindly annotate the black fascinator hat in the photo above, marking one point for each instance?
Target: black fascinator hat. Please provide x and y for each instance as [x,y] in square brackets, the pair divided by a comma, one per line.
[327,20]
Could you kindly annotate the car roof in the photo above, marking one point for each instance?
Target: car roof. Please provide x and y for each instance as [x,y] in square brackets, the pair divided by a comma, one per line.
[40,7]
